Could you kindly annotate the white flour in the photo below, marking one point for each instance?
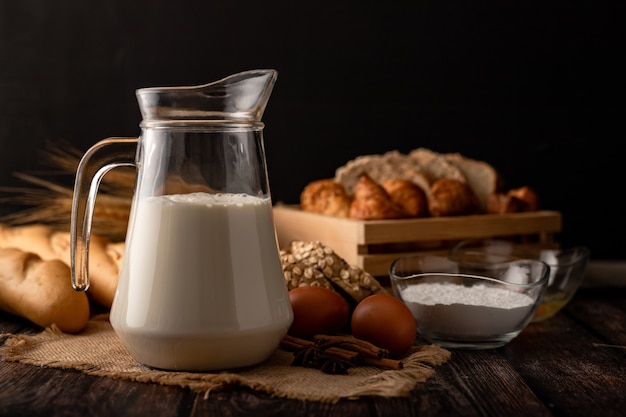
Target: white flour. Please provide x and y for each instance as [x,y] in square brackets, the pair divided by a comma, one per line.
[477,295]
[476,312]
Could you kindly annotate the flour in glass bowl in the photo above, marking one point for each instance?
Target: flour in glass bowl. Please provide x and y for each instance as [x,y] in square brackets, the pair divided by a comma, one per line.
[476,295]
[467,311]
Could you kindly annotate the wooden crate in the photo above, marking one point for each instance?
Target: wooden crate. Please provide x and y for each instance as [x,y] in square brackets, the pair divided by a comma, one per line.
[373,245]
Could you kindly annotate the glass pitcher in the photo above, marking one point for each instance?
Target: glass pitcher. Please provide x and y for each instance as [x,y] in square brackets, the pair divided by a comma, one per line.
[201,285]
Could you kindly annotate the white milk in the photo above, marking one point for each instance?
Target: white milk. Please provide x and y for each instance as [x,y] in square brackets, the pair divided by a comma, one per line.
[201,285]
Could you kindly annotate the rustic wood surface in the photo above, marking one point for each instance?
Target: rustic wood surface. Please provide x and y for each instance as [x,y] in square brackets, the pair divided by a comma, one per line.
[571,365]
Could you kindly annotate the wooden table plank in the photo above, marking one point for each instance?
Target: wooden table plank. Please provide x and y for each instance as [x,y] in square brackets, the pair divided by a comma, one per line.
[481,383]
[602,310]
[244,402]
[10,324]
[557,367]
[51,392]
[559,362]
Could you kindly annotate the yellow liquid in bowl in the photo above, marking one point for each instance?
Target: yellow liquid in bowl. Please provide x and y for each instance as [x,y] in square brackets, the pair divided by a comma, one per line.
[551,304]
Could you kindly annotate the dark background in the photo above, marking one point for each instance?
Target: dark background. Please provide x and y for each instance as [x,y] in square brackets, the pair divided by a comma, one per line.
[535,88]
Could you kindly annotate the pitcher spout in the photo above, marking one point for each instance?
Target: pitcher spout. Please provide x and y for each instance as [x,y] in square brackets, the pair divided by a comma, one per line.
[238,98]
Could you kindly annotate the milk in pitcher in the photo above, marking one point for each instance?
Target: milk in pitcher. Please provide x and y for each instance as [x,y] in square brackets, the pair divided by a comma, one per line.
[201,282]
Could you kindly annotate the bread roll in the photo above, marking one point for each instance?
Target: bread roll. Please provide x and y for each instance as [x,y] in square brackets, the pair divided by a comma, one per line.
[452,198]
[41,291]
[371,202]
[528,196]
[517,200]
[408,195]
[481,176]
[503,203]
[325,197]
[49,244]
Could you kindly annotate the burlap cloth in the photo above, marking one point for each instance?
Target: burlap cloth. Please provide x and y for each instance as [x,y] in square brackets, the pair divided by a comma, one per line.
[98,351]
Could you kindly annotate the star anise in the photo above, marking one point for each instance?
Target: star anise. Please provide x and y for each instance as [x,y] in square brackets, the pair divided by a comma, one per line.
[306,356]
[314,356]
[332,365]
[336,354]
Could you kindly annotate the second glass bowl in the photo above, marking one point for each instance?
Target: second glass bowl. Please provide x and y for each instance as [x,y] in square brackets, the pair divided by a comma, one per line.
[567,267]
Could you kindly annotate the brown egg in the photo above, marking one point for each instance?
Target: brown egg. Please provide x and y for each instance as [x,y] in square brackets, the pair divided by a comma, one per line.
[317,310]
[385,321]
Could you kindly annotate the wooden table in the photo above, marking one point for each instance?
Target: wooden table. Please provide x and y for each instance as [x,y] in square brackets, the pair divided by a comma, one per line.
[571,365]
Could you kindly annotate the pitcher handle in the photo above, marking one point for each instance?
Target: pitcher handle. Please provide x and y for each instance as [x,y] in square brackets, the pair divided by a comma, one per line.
[98,160]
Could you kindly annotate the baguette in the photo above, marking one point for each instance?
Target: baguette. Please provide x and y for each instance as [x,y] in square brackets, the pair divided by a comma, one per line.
[32,238]
[115,251]
[103,269]
[40,291]
[49,244]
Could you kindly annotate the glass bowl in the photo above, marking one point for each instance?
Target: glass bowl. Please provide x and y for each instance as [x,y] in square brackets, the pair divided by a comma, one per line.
[567,267]
[470,305]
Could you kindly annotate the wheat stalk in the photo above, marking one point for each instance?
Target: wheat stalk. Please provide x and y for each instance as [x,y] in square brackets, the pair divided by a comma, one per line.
[49,202]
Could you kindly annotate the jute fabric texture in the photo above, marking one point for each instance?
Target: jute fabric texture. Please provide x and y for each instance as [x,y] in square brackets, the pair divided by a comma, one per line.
[98,351]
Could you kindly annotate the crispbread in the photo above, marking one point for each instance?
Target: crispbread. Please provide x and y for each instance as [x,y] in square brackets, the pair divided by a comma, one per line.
[298,272]
[313,263]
